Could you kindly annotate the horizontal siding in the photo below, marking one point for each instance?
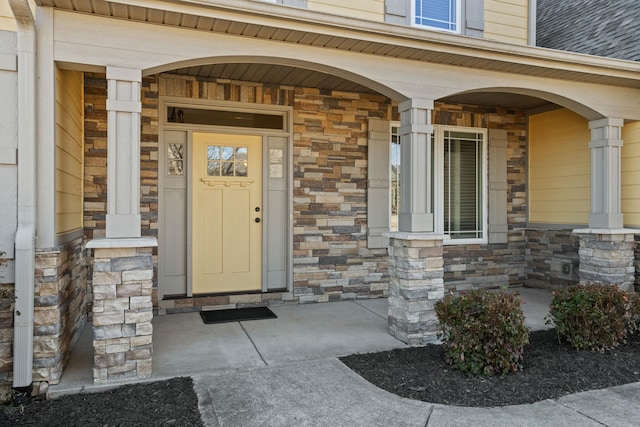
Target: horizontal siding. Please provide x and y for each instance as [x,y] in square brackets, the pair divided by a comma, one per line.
[559,168]
[372,10]
[7,21]
[69,150]
[631,174]
[506,20]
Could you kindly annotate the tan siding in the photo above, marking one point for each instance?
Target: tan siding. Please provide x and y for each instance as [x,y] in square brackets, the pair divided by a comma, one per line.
[7,21]
[506,20]
[559,168]
[631,174]
[69,150]
[364,9]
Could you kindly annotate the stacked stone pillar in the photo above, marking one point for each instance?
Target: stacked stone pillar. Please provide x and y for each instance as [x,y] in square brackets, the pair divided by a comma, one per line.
[607,257]
[122,309]
[416,271]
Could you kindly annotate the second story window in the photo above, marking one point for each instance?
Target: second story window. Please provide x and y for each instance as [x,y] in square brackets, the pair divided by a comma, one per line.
[437,14]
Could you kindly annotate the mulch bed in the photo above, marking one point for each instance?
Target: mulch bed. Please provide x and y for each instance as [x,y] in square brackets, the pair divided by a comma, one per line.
[551,370]
[161,403]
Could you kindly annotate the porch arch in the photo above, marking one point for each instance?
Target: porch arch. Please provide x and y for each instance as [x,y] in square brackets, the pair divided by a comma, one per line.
[342,73]
[553,98]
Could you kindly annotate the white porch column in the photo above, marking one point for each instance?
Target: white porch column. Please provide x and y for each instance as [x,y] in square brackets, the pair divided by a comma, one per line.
[606,248]
[123,152]
[416,131]
[416,265]
[605,145]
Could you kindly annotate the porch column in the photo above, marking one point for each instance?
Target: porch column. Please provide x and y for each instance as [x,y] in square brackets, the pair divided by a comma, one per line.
[123,152]
[416,271]
[416,266]
[123,266]
[122,308]
[416,131]
[607,257]
[606,248]
[605,145]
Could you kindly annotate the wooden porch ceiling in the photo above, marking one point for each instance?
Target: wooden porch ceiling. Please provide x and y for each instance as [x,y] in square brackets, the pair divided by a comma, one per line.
[254,19]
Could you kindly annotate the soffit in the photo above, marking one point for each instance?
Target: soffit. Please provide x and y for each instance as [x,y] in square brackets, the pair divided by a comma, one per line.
[292,76]
[280,23]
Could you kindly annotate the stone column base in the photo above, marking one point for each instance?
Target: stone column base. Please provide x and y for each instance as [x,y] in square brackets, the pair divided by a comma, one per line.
[607,257]
[122,309]
[416,271]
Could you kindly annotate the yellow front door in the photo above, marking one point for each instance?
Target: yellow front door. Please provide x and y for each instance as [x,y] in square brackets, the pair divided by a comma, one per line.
[227,212]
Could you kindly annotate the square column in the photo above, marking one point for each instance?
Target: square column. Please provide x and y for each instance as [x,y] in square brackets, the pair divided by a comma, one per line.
[416,136]
[122,309]
[607,257]
[606,146]
[416,283]
[123,152]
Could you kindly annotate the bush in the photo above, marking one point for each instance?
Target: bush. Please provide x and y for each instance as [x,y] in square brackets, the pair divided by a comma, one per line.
[595,317]
[483,332]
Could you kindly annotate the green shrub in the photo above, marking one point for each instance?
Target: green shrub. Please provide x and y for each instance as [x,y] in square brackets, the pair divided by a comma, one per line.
[595,317]
[483,332]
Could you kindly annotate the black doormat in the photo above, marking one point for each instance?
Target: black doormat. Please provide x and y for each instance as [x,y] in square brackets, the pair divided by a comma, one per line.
[237,315]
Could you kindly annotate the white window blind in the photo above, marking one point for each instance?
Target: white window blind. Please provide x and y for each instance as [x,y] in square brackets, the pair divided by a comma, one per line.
[441,14]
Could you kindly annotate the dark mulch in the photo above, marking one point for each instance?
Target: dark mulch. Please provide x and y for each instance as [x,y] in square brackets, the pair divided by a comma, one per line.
[162,403]
[551,370]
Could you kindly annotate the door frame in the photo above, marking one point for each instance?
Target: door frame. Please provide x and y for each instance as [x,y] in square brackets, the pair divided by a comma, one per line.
[189,129]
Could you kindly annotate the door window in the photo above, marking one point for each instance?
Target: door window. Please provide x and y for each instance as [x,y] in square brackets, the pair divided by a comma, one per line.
[227,161]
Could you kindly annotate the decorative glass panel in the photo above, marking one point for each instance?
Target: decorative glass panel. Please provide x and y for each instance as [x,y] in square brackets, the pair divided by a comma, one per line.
[276,166]
[175,159]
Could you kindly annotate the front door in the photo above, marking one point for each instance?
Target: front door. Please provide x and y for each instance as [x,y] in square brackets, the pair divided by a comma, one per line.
[226,213]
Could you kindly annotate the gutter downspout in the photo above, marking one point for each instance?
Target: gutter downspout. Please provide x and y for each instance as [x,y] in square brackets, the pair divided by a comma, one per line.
[533,22]
[25,235]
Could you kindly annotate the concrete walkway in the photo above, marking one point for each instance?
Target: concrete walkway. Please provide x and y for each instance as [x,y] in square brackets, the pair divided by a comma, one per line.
[285,372]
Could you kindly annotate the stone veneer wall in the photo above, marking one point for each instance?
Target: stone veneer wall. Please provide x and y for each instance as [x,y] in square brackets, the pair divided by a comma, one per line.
[60,307]
[331,258]
[547,250]
[491,265]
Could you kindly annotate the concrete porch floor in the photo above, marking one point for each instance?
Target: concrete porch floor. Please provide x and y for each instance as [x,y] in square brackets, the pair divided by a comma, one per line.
[184,346]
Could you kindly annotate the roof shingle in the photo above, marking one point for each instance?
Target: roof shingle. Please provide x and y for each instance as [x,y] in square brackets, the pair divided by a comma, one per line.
[595,27]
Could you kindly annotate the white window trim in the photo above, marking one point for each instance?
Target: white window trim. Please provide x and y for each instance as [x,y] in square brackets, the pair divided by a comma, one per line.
[439,183]
[459,23]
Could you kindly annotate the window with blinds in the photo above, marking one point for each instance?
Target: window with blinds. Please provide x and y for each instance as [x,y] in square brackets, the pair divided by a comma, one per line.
[463,159]
[440,14]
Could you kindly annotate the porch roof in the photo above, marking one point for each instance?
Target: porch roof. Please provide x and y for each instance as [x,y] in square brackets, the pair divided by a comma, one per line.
[265,20]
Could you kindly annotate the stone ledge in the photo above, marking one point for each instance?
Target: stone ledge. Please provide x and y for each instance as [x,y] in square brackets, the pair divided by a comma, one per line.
[132,242]
[607,231]
[403,235]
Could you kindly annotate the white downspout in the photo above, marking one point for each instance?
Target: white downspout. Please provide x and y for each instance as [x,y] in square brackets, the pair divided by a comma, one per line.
[533,22]
[25,235]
